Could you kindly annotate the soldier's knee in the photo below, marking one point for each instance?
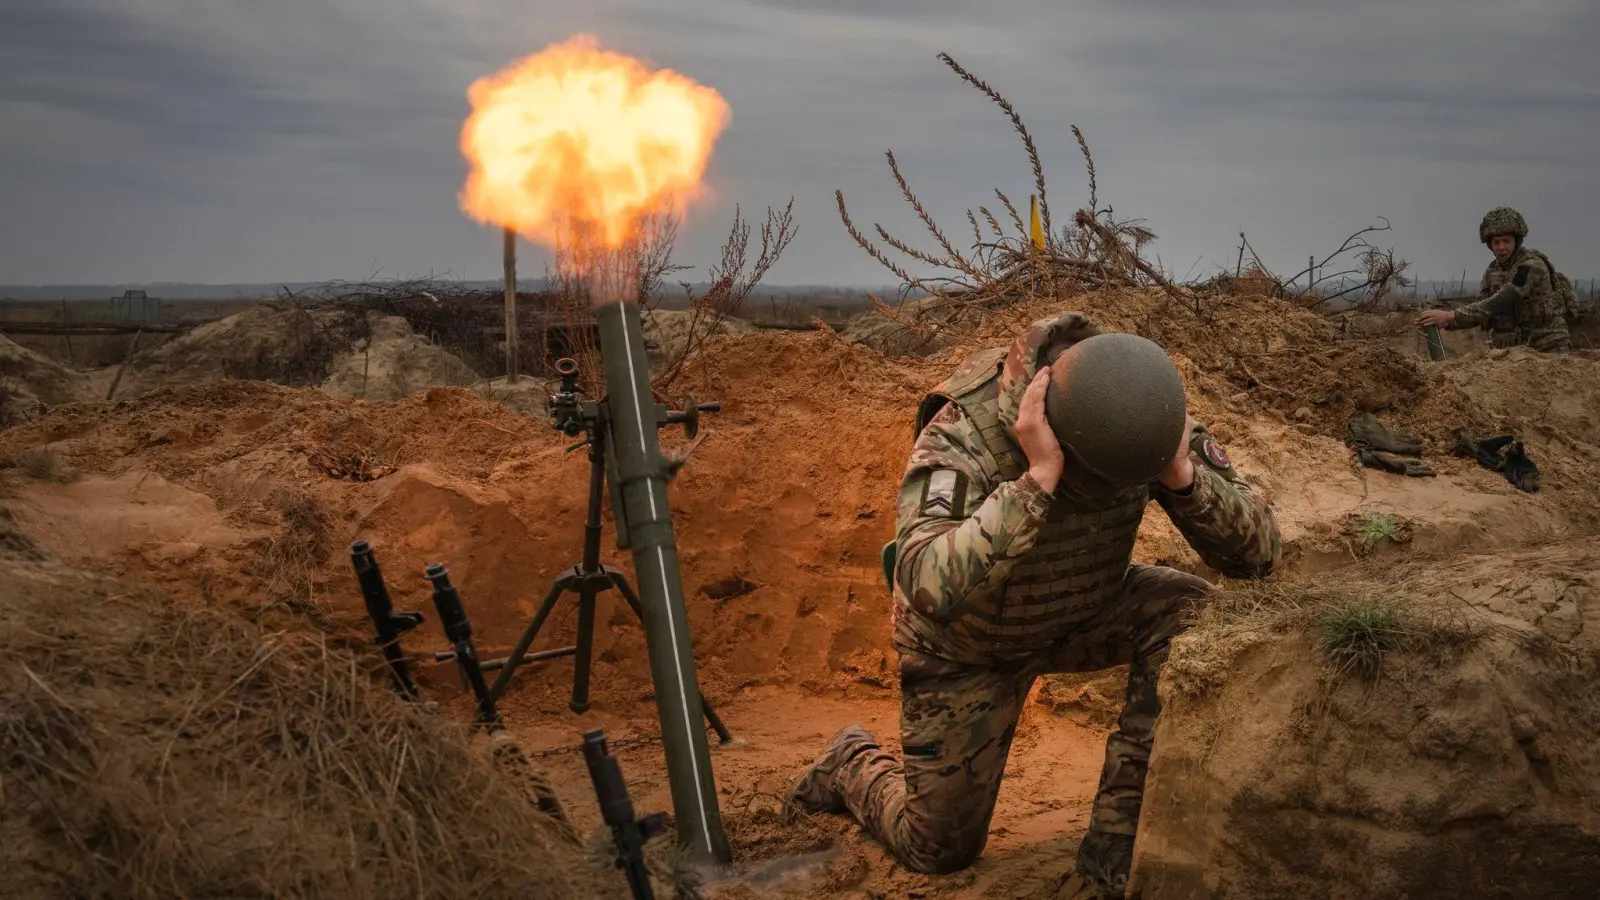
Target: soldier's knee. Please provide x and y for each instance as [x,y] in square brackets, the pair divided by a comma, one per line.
[950,855]
[1189,583]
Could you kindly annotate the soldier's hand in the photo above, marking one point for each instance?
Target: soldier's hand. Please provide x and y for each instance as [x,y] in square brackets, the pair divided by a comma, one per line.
[1180,472]
[1046,459]
[1436,318]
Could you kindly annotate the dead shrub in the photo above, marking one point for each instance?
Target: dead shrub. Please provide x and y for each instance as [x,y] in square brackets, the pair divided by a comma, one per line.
[1011,261]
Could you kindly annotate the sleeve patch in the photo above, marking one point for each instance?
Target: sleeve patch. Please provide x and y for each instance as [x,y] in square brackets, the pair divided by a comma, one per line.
[944,494]
[1215,455]
[1521,278]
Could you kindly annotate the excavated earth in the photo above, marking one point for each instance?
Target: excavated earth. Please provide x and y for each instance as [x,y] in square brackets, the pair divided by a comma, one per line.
[246,495]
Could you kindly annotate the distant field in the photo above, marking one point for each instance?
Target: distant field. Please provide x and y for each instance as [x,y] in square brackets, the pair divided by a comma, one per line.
[96,350]
[782,308]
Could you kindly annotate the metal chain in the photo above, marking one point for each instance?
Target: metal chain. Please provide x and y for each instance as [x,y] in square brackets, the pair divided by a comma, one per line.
[614,745]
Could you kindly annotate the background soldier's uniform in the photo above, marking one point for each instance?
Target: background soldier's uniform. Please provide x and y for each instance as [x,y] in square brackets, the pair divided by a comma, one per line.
[1531,314]
[997,582]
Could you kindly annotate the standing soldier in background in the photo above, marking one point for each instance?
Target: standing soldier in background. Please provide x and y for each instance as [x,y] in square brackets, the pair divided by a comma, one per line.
[1016,524]
[1523,300]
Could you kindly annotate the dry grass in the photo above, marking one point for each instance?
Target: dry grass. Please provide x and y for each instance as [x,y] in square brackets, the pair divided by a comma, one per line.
[154,751]
[1357,619]
[292,556]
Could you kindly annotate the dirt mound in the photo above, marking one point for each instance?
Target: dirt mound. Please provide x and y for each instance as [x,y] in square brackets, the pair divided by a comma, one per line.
[906,334]
[151,749]
[775,539]
[248,493]
[282,343]
[1260,356]
[783,510]
[670,330]
[393,362]
[1360,735]
[529,396]
[31,383]
[346,353]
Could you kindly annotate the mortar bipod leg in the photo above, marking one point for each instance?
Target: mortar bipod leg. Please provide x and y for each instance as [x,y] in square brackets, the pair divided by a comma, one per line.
[583,658]
[526,641]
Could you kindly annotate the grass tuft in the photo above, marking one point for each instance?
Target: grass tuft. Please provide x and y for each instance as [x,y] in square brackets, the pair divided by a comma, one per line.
[1378,528]
[1354,638]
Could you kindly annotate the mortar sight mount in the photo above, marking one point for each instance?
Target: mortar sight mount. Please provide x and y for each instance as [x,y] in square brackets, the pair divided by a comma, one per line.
[572,416]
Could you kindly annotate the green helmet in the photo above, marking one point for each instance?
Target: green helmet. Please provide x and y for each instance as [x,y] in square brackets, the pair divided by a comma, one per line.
[1116,404]
[1502,220]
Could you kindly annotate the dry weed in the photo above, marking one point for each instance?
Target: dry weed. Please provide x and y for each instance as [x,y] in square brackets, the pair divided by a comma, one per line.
[153,751]
[586,271]
[1003,268]
[291,557]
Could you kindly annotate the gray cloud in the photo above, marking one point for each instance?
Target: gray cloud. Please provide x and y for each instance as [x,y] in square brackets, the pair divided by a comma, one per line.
[183,139]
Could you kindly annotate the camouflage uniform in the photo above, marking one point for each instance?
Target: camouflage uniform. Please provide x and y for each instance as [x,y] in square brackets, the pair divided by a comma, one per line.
[1532,318]
[996,583]
[1519,302]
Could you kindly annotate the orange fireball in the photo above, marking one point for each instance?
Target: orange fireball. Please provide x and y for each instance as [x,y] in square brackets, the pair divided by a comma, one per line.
[580,136]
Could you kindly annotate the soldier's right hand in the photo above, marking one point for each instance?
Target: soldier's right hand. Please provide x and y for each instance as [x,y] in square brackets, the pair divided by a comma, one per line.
[1046,459]
[1436,318]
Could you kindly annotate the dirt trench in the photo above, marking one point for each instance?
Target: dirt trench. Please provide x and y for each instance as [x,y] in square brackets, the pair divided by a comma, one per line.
[247,494]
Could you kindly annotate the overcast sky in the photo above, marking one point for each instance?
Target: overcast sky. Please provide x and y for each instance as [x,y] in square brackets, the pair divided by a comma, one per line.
[226,141]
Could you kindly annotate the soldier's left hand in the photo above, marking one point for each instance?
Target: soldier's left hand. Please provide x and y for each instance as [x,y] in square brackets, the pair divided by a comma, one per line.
[1436,318]
[1180,472]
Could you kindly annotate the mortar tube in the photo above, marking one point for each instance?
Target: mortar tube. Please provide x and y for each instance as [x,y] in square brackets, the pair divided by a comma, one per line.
[1435,343]
[642,480]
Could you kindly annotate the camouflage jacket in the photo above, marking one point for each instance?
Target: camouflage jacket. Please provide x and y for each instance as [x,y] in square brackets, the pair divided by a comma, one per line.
[989,567]
[1528,314]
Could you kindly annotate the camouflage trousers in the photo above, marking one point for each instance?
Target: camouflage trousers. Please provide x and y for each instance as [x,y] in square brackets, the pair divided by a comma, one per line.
[957,721]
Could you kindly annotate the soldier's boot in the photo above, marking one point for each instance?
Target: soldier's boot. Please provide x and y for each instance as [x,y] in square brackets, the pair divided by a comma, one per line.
[1106,858]
[814,790]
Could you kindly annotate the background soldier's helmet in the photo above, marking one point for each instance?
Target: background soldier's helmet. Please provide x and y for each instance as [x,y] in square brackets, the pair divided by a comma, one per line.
[1502,220]
[1116,403]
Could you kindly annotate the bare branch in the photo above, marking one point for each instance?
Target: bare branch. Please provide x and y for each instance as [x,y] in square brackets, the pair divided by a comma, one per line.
[731,286]
[1016,122]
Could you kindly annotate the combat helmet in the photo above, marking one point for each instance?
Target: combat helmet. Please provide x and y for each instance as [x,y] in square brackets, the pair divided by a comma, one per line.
[1502,220]
[1116,404]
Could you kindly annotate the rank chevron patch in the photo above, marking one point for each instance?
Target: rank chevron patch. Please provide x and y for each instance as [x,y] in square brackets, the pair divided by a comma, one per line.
[944,494]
